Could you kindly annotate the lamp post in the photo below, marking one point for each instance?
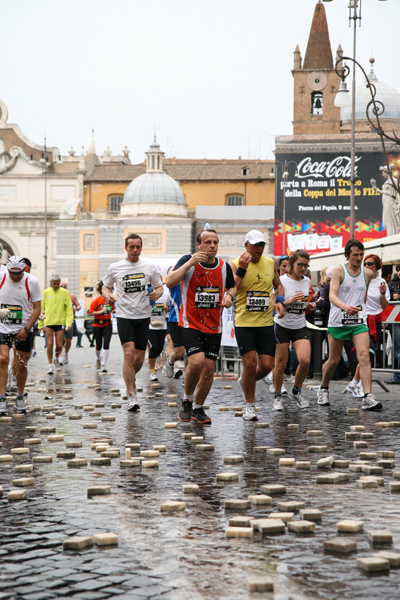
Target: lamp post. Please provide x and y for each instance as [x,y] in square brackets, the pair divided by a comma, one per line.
[354,15]
[45,164]
[285,175]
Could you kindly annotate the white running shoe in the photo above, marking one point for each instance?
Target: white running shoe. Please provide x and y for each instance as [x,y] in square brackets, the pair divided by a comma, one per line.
[98,363]
[178,373]
[370,403]
[360,390]
[299,399]
[153,376]
[249,413]
[20,404]
[3,406]
[284,390]
[323,397]
[103,369]
[168,369]
[132,402]
[57,363]
[50,370]
[65,358]
[277,405]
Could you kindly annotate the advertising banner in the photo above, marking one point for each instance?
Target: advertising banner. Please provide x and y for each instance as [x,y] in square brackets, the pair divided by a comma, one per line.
[316,202]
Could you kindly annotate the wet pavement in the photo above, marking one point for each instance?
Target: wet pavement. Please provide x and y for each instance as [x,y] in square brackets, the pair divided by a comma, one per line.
[186,555]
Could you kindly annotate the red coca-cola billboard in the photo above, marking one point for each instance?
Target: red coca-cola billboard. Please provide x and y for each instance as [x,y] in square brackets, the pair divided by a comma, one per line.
[316,202]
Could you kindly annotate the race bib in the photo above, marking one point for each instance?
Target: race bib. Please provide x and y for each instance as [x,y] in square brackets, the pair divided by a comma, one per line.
[298,308]
[357,319]
[257,301]
[157,309]
[14,316]
[206,297]
[134,283]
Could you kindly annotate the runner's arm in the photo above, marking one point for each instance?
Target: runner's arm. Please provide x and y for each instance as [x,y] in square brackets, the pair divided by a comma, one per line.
[183,265]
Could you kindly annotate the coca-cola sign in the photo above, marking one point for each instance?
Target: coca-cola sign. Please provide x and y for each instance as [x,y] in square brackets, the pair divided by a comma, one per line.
[315,197]
[340,166]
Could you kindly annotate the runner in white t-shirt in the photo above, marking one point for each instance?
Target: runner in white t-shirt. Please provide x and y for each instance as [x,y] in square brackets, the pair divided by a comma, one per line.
[19,293]
[131,278]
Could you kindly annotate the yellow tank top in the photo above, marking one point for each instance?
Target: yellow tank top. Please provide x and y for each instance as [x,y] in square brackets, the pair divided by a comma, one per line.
[254,298]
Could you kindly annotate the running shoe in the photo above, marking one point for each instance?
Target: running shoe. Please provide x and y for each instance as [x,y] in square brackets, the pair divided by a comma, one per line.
[351,389]
[20,404]
[199,416]
[283,390]
[360,390]
[103,369]
[11,390]
[178,373]
[323,397]
[98,363]
[299,399]
[65,358]
[57,363]
[50,370]
[34,353]
[132,402]
[168,369]
[370,403]
[153,376]
[277,405]
[3,406]
[269,381]
[249,413]
[185,413]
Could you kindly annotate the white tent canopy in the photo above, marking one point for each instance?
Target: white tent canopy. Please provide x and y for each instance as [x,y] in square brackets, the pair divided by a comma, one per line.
[388,249]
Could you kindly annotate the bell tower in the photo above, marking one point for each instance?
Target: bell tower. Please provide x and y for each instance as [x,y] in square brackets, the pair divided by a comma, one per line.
[316,82]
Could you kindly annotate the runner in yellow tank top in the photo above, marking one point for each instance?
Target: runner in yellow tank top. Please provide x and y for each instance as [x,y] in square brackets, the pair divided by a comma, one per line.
[255,278]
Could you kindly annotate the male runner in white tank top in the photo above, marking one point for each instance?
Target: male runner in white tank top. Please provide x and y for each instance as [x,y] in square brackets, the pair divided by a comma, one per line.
[347,320]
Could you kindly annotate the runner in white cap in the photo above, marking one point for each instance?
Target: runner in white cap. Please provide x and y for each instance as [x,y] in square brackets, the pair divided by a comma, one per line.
[19,294]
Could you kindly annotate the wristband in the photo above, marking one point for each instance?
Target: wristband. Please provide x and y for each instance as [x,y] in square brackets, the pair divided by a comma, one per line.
[383,293]
[241,272]
[229,294]
[27,330]
[280,299]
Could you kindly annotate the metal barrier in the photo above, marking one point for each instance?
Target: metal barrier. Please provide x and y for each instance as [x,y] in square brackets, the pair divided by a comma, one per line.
[390,326]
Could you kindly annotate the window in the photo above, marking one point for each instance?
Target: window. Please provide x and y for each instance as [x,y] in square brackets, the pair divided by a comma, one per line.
[88,291]
[316,103]
[115,203]
[234,200]
[88,241]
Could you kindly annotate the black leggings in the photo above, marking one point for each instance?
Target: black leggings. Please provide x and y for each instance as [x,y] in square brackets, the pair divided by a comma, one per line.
[102,335]
[156,342]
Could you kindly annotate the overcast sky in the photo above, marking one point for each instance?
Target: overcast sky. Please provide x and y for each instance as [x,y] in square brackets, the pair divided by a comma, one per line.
[214,77]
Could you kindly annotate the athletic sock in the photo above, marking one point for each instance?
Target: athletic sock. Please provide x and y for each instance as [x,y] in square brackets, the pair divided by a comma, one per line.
[323,387]
[197,406]
[98,353]
[296,390]
[188,397]
[104,357]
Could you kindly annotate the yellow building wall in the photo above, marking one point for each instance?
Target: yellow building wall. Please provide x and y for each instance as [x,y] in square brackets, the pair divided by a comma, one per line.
[196,193]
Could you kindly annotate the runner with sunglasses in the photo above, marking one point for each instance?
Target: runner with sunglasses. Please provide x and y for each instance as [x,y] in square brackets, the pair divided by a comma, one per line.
[347,321]
[292,328]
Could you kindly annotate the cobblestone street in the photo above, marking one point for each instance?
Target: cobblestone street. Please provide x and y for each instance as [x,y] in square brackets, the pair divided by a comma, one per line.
[186,554]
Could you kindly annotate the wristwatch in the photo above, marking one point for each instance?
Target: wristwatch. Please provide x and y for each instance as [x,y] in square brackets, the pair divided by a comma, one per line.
[27,330]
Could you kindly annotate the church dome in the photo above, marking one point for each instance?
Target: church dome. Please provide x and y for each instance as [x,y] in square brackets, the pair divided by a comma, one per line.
[154,192]
[384,93]
[154,187]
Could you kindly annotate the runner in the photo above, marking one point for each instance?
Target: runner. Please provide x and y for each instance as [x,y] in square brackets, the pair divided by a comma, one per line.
[292,328]
[157,330]
[349,283]
[256,277]
[57,311]
[102,327]
[378,296]
[20,294]
[68,335]
[207,288]
[176,347]
[131,277]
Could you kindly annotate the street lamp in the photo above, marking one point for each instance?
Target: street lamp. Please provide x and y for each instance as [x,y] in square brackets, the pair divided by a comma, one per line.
[44,161]
[285,175]
[354,15]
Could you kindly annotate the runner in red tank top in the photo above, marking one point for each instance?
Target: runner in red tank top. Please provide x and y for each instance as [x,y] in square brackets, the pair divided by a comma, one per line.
[207,288]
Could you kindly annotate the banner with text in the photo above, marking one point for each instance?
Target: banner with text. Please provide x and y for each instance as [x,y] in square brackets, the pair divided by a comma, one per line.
[316,202]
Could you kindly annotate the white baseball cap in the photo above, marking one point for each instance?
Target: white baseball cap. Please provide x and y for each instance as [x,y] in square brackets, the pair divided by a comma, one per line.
[255,237]
[16,264]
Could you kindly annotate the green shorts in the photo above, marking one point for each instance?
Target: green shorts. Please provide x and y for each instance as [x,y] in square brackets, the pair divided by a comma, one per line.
[346,332]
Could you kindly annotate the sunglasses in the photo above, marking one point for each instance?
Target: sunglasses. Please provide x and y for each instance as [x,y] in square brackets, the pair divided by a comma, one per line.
[259,244]
[369,264]
[302,265]
[284,257]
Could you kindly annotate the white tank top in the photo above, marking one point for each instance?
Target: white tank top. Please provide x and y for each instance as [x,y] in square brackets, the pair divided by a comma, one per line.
[352,290]
[295,317]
